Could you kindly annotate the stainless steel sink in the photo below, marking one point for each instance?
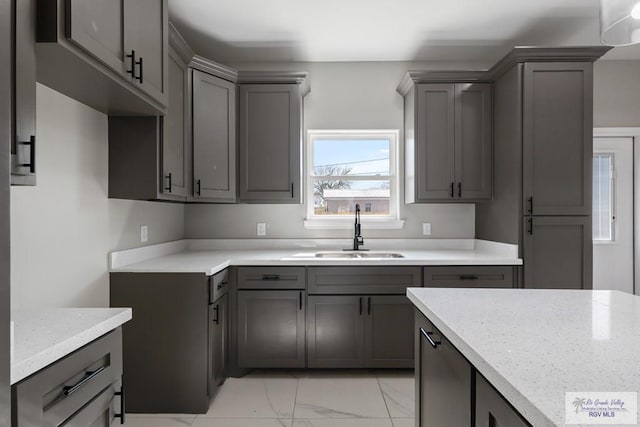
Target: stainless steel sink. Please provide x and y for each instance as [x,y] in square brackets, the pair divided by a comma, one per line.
[359,255]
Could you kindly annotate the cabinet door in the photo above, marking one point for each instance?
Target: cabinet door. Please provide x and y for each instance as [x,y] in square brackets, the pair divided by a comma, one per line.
[146,31]
[271,329]
[491,408]
[270,143]
[23,148]
[97,26]
[435,133]
[175,137]
[473,141]
[214,137]
[335,332]
[388,332]
[558,253]
[557,138]
[443,376]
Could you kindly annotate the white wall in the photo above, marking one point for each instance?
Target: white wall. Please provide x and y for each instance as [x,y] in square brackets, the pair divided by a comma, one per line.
[62,229]
[345,95]
[616,93]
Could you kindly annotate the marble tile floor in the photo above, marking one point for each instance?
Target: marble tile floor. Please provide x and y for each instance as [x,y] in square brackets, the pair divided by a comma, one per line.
[341,398]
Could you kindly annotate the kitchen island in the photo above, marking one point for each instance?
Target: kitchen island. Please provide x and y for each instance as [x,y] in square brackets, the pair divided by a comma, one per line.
[532,346]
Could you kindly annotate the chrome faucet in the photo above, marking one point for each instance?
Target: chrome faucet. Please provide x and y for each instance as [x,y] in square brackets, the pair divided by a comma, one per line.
[357,236]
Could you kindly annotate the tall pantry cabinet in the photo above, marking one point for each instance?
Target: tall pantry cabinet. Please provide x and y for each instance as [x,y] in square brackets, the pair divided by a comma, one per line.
[543,145]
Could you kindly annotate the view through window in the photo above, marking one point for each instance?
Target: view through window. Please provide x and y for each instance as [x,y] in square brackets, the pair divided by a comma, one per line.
[603,190]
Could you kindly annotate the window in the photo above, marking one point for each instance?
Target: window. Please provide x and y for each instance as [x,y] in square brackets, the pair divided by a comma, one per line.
[345,168]
[603,197]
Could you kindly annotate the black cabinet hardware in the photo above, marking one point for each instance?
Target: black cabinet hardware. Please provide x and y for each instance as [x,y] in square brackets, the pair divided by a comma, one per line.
[292,190]
[222,284]
[300,300]
[459,189]
[468,277]
[427,335]
[132,56]
[140,76]
[530,208]
[199,187]
[452,189]
[530,226]
[32,154]
[168,187]
[217,310]
[122,407]
[70,389]
[270,277]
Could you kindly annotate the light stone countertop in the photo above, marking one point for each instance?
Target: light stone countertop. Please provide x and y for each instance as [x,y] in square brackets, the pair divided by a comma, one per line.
[44,336]
[209,258]
[535,345]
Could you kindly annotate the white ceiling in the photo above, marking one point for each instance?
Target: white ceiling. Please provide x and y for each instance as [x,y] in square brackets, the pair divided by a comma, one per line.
[468,31]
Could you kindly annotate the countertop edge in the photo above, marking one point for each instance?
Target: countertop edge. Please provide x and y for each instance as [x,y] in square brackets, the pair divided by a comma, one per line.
[45,358]
[523,405]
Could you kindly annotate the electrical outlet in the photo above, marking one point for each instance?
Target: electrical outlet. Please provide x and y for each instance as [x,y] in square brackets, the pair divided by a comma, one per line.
[261,229]
[144,233]
[426,228]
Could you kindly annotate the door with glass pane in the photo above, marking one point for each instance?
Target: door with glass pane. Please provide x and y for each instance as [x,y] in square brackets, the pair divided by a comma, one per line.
[613,214]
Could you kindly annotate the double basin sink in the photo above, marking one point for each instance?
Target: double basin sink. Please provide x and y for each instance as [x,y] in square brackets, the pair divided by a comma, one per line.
[358,255]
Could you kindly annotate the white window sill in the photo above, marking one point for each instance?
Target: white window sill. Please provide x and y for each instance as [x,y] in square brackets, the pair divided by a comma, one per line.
[346,223]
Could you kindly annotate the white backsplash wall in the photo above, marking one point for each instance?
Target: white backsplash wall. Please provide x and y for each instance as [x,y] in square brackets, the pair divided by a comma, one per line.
[63,229]
[344,95]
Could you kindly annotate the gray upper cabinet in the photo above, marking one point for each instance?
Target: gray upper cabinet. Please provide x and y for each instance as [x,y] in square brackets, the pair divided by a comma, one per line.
[271,331]
[23,142]
[270,164]
[449,134]
[492,410]
[557,138]
[558,252]
[214,138]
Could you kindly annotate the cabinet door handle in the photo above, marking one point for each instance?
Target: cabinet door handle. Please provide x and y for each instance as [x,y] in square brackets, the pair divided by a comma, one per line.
[270,277]
[300,300]
[468,277]
[427,335]
[168,187]
[222,284]
[132,71]
[530,226]
[217,310]
[140,76]
[459,189]
[451,189]
[89,375]
[198,186]
[122,407]
[292,196]
[530,208]
[32,154]
[360,302]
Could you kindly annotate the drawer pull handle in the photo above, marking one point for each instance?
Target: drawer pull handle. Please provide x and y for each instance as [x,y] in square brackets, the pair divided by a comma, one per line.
[222,284]
[427,335]
[70,389]
[270,277]
[468,277]
[122,407]
[217,310]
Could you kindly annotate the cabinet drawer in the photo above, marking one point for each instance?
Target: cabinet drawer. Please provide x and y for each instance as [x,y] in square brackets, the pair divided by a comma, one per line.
[55,393]
[271,278]
[470,277]
[218,285]
[358,280]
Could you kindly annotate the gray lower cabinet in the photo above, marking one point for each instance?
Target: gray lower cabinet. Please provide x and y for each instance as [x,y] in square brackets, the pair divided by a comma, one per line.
[23,141]
[492,410]
[357,331]
[557,252]
[214,138]
[270,144]
[83,389]
[271,328]
[218,327]
[479,276]
[449,129]
[443,376]
[168,345]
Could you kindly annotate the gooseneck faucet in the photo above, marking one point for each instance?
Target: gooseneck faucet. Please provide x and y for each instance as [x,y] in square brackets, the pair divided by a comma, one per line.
[357,236]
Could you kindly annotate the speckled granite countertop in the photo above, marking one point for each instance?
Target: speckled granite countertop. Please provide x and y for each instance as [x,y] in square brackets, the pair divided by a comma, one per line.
[535,345]
[46,335]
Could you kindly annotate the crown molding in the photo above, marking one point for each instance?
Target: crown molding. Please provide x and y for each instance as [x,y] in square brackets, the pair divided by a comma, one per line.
[179,45]
[278,77]
[214,68]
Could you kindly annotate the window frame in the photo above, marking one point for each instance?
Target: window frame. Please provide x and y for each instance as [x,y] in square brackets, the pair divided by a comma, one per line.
[391,221]
[612,198]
